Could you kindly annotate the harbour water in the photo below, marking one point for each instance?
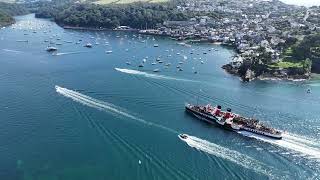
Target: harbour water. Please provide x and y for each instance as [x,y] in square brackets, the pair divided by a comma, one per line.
[83,113]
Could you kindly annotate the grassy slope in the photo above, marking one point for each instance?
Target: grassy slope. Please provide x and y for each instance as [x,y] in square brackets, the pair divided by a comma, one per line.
[288,60]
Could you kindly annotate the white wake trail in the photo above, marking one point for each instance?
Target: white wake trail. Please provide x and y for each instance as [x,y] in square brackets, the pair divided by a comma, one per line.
[104,106]
[69,53]
[150,75]
[297,144]
[10,50]
[225,153]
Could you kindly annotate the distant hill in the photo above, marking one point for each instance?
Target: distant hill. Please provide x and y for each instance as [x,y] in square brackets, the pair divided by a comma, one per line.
[7,10]
[8,1]
[127,1]
[5,19]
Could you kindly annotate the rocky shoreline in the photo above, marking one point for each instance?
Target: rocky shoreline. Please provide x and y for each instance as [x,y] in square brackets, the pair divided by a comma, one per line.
[274,75]
[96,29]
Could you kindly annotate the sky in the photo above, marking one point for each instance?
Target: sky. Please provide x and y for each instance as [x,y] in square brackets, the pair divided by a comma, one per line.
[303,2]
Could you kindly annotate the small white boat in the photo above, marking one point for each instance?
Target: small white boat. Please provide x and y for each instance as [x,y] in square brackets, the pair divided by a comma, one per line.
[156,70]
[144,60]
[140,65]
[51,49]
[88,45]
[153,63]
[156,45]
[128,63]
[202,62]
[168,64]
[160,62]
[109,52]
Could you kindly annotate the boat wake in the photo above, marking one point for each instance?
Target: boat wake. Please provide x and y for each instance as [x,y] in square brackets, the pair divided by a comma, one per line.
[163,167]
[301,145]
[10,50]
[225,153]
[104,106]
[68,53]
[150,75]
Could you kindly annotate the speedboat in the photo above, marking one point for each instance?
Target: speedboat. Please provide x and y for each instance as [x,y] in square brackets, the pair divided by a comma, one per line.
[51,49]
[183,136]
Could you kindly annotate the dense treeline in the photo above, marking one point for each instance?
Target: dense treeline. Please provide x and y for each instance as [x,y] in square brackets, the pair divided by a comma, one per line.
[13,9]
[44,9]
[5,19]
[7,10]
[308,48]
[303,49]
[136,15]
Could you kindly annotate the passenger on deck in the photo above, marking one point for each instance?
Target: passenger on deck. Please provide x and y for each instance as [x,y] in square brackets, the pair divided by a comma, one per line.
[216,111]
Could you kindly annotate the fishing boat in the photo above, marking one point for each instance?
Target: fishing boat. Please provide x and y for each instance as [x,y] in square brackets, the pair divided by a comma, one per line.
[234,122]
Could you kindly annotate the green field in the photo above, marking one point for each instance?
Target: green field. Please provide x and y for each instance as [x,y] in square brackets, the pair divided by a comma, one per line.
[126,1]
[286,64]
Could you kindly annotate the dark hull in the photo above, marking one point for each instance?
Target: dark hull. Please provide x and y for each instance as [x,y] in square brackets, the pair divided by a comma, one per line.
[208,118]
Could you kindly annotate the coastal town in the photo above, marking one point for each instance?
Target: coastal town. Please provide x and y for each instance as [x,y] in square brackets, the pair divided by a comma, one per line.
[272,40]
[261,30]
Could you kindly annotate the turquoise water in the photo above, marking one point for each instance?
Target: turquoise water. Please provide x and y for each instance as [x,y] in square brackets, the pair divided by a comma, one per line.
[86,114]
